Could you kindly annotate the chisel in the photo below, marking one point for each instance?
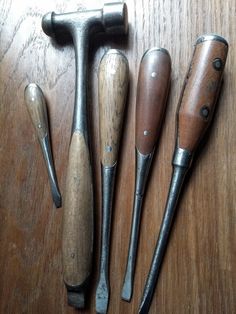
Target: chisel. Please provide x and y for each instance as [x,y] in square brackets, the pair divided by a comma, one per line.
[112,88]
[152,91]
[37,109]
[196,106]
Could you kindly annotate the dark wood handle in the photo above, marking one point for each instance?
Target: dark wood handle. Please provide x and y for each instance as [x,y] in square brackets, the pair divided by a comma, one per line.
[113,84]
[77,240]
[152,91]
[201,90]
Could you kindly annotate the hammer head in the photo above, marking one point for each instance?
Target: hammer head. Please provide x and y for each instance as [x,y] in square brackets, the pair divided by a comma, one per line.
[112,18]
[115,17]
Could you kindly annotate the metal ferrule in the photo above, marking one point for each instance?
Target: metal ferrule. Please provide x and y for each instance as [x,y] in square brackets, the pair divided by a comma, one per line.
[47,153]
[181,163]
[211,37]
[102,293]
[143,163]
[182,158]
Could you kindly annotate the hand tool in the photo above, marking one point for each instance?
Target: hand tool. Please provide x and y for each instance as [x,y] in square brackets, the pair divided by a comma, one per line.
[152,91]
[197,102]
[77,242]
[37,109]
[113,84]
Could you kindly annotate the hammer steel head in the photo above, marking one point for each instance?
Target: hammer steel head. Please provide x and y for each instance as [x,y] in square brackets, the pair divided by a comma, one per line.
[112,18]
[115,17]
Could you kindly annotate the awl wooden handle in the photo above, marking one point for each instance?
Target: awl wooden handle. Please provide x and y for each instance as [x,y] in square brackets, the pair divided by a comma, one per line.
[201,89]
[152,91]
[77,241]
[113,84]
[36,106]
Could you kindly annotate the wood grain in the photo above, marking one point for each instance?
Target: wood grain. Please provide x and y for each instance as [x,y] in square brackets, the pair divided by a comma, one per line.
[113,80]
[198,274]
[200,92]
[152,90]
[77,234]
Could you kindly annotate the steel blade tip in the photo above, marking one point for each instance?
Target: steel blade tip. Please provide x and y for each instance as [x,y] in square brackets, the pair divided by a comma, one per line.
[126,294]
[102,298]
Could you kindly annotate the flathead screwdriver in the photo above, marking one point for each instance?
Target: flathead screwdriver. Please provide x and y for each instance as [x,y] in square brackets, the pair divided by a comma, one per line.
[152,91]
[113,79]
[196,106]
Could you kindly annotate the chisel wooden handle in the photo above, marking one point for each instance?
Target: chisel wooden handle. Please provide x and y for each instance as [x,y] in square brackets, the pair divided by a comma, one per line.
[113,84]
[152,91]
[200,91]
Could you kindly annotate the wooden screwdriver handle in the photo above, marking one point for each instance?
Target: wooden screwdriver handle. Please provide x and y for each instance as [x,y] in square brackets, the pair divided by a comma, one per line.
[152,91]
[112,90]
[36,106]
[77,239]
[200,91]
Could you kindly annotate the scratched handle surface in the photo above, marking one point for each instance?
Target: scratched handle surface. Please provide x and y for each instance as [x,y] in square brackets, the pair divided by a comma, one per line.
[200,91]
[36,106]
[113,85]
[152,91]
[77,240]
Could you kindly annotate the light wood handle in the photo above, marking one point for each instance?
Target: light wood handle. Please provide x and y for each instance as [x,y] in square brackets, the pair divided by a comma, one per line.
[152,91]
[113,85]
[201,89]
[77,241]
[37,109]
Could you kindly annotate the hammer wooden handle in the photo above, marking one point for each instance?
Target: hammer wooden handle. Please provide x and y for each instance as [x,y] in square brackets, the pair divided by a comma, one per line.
[200,91]
[113,84]
[77,241]
[36,106]
[152,91]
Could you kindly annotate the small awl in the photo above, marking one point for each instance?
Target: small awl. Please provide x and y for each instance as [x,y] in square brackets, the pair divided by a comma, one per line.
[37,109]
[112,88]
[152,91]
[197,102]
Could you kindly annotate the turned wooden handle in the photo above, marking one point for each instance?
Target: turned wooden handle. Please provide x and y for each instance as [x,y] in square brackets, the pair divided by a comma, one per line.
[36,106]
[152,91]
[201,90]
[112,89]
[77,240]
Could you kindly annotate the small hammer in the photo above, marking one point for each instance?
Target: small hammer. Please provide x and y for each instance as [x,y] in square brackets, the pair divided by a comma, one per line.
[77,240]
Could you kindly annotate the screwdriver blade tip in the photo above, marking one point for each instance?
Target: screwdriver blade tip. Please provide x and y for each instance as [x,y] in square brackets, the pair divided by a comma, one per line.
[57,200]
[126,294]
[102,297]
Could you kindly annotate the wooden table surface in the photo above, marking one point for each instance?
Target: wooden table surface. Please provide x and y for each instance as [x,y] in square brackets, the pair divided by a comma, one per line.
[199,269]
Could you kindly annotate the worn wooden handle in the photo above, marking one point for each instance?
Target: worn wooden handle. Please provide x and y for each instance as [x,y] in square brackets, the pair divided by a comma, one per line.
[201,89]
[113,85]
[36,106]
[152,91]
[77,241]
